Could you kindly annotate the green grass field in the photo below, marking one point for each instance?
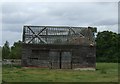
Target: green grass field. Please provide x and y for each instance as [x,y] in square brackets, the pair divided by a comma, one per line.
[106,72]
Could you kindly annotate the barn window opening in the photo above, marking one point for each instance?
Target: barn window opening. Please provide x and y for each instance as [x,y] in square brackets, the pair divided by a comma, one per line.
[34,58]
[35,51]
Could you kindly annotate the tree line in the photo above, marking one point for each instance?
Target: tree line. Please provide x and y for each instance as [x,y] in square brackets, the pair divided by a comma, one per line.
[13,52]
[107,48]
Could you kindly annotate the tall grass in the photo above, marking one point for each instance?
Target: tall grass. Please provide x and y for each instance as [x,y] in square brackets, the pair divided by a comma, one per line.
[105,72]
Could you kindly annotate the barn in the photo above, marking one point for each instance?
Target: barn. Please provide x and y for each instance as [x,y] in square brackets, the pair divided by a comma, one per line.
[59,47]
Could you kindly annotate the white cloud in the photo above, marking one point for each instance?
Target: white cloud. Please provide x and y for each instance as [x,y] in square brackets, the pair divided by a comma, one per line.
[11,37]
[113,28]
[15,15]
[60,0]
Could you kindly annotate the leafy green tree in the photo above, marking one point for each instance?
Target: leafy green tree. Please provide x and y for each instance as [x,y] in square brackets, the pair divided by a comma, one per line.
[6,51]
[107,46]
[16,50]
[118,54]
[0,52]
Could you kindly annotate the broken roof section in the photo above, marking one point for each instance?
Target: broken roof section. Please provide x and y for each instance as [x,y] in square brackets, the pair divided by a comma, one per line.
[58,35]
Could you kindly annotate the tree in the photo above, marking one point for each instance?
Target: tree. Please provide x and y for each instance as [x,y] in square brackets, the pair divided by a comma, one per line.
[118,48]
[107,46]
[0,52]
[16,50]
[6,50]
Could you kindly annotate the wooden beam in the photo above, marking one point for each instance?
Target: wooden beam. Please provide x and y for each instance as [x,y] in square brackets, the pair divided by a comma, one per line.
[23,38]
[31,30]
[72,30]
[54,26]
[37,35]
[41,31]
[41,39]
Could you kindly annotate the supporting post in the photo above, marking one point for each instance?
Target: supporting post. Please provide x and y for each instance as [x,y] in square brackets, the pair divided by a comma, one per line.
[23,38]
[71,61]
[46,35]
[60,59]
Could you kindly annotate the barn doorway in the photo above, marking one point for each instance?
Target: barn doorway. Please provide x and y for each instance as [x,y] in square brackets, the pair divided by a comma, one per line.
[60,59]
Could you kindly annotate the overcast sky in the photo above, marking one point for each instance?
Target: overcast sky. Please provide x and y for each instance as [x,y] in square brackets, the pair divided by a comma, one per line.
[103,15]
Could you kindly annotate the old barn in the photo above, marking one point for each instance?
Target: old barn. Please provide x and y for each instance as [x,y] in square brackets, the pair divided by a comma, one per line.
[59,47]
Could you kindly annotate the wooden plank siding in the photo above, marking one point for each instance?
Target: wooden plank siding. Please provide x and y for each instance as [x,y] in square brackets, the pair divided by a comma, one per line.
[58,56]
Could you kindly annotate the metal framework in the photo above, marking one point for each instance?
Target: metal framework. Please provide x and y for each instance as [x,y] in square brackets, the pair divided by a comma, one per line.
[57,34]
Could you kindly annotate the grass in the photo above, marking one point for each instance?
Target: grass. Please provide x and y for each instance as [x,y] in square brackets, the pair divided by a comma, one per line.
[106,72]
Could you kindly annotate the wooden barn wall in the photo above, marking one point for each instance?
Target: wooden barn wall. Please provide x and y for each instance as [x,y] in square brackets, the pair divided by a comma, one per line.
[58,56]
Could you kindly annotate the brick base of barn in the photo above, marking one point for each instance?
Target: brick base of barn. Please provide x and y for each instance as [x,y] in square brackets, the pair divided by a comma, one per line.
[58,56]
